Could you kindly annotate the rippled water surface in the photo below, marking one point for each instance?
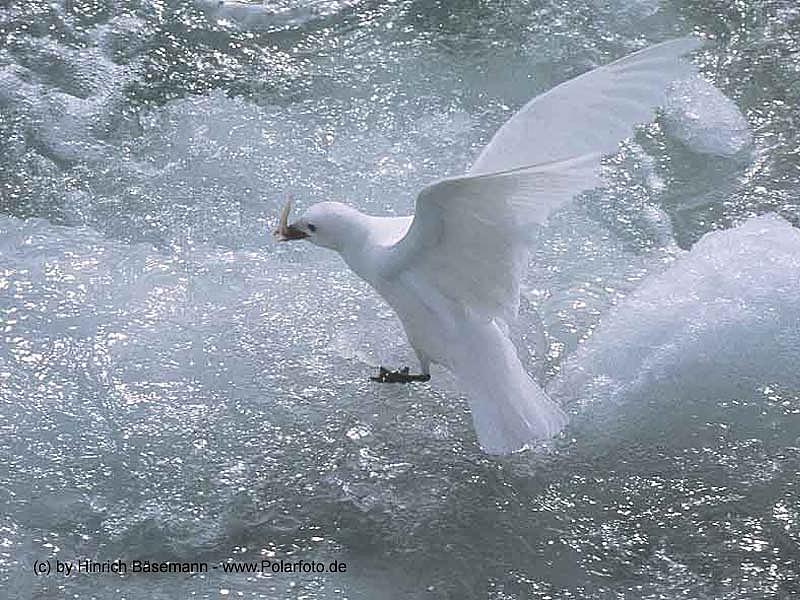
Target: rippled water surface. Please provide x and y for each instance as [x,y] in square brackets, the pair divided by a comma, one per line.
[175,386]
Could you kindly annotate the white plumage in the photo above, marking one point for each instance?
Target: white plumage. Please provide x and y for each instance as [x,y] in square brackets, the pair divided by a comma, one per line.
[452,272]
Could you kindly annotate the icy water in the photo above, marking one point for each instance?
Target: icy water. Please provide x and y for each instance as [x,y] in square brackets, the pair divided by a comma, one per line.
[174,386]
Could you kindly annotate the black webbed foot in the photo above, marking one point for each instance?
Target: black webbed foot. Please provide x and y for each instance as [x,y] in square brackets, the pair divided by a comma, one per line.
[401,376]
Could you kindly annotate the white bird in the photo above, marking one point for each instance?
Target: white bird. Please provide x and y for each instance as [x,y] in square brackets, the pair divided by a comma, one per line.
[452,270]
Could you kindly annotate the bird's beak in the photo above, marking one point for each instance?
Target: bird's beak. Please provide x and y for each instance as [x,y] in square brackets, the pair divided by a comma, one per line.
[292,233]
[286,232]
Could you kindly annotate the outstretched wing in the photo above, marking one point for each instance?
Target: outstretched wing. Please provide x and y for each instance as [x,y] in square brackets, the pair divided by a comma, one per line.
[464,239]
[590,113]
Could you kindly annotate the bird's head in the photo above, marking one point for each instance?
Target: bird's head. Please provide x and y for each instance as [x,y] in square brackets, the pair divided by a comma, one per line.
[327,224]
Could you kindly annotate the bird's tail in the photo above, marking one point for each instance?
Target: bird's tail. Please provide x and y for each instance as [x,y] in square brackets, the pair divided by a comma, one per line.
[509,410]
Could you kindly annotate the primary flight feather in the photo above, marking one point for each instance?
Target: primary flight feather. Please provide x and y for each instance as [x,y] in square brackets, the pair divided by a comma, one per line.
[452,271]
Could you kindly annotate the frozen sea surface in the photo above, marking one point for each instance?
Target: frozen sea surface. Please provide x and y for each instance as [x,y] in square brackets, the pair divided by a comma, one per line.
[175,386]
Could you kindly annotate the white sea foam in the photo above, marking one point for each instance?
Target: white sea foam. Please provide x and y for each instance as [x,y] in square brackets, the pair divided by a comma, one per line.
[267,15]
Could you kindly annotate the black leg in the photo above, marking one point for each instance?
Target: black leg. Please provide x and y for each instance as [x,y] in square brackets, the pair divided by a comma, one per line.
[401,376]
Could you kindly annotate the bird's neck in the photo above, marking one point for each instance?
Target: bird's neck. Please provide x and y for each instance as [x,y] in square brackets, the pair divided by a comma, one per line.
[372,237]
[355,248]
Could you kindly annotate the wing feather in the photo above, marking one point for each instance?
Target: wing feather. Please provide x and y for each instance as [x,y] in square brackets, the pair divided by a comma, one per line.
[590,113]
[467,233]
[467,236]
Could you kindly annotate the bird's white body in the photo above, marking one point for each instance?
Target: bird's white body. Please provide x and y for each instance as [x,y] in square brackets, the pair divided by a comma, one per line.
[452,271]
[426,316]
[447,332]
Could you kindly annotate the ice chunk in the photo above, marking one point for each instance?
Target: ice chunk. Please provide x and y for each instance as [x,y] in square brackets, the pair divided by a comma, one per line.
[703,118]
[726,313]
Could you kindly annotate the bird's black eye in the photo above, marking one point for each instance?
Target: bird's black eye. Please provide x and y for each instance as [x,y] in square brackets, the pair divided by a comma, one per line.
[312,228]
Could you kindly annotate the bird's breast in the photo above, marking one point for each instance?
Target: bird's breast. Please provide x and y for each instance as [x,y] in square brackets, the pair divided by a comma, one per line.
[426,317]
